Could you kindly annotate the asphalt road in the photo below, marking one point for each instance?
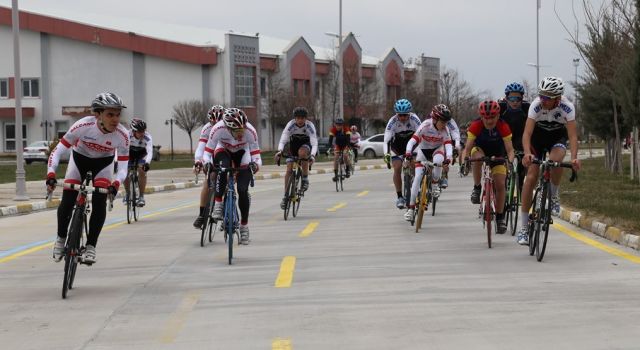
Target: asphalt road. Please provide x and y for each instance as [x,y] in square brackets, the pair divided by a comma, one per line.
[347,273]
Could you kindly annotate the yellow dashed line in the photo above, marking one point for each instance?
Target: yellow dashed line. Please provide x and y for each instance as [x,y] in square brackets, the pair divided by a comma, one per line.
[338,206]
[596,244]
[363,193]
[285,277]
[309,229]
[281,344]
[177,320]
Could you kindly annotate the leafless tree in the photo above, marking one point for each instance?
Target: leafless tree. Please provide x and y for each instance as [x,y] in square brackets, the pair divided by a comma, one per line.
[459,96]
[188,116]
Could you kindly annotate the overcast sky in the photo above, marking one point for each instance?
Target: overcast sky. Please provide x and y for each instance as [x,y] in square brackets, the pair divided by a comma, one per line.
[489,41]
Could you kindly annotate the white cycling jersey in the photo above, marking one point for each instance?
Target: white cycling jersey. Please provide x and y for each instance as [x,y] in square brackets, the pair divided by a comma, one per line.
[355,139]
[143,145]
[555,119]
[455,132]
[428,137]
[86,138]
[395,126]
[221,139]
[293,129]
[202,142]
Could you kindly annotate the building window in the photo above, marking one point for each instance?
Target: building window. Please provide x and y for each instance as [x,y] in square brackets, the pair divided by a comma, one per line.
[263,87]
[61,127]
[30,88]
[10,137]
[317,89]
[301,87]
[244,86]
[4,88]
[393,92]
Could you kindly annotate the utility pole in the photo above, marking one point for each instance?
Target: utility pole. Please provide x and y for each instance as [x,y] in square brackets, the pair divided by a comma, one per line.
[21,185]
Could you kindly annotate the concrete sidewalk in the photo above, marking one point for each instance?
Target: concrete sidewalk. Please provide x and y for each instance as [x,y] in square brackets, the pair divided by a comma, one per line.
[158,181]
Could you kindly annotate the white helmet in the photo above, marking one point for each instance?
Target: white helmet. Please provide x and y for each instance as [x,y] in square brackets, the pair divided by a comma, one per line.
[551,87]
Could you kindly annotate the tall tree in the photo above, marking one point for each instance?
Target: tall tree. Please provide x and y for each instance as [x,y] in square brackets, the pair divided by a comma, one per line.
[188,116]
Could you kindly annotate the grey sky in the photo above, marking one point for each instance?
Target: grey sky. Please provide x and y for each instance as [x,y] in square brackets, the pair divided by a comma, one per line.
[488,41]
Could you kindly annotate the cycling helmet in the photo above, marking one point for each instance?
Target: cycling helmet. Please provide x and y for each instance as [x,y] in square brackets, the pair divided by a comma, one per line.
[441,112]
[489,109]
[514,87]
[300,112]
[216,112]
[107,100]
[138,125]
[402,106]
[354,128]
[234,119]
[551,87]
[339,121]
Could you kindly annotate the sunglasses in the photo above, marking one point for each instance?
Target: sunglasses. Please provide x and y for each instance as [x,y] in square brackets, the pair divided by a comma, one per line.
[490,117]
[546,98]
[514,99]
[403,114]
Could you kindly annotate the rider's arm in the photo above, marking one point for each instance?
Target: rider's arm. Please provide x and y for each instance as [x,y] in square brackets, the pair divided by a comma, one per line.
[285,136]
[70,138]
[149,148]
[202,143]
[573,138]
[411,144]
[313,138]
[54,159]
[123,158]
[388,135]
[254,145]
[526,136]
[212,143]
[508,145]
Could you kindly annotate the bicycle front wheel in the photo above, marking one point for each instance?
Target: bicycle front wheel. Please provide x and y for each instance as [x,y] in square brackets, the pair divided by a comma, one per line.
[487,209]
[543,222]
[297,190]
[229,225]
[71,251]
[291,188]
[532,226]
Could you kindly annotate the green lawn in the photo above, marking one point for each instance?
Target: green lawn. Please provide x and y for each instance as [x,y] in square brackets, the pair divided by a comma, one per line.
[613,199]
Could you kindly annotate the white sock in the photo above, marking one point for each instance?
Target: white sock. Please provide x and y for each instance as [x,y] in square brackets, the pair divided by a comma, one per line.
[553,190]
[524,219]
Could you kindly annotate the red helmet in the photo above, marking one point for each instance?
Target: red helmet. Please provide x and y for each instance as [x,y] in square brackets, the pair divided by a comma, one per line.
[489,109]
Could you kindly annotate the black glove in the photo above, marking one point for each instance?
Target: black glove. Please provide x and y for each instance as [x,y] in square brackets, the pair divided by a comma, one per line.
[145,167]
[51,180]
[113,189]
[254,167]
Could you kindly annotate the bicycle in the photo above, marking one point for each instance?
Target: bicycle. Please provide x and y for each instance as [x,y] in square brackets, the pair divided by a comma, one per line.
[352,156]
[78,228]
[209,226]
[425,195]
[341,171]
[133,193]
[294,192]
[540,218]
[514,194]
[487,210]
[408,173]
[231,217]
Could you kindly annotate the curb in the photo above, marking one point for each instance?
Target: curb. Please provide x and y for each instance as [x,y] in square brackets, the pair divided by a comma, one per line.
[612,233]
[27,208]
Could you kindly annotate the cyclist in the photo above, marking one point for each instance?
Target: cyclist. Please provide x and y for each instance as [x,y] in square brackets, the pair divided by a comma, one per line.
[551,122]
[215,115]
[399,130]
[140,154]
[454,132]
[490,136]
[354,142]
[342,135]
[463,142]
[300,135]
[433,138]
[513,110]
[93,141]
[234,142]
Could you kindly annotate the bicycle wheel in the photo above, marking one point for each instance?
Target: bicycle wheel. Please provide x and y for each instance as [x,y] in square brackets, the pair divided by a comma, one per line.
[423,201]
[297,184]
[205,223]
[434,200]
[136,192]
[487,209]
[229,225]
[129,213]
[290,194]
[341,175]
[532,222]
[543,222]
[407,182]
[71,251]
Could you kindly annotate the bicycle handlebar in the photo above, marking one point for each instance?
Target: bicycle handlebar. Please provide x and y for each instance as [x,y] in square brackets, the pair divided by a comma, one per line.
[90,189]
[488,159]
[554,164]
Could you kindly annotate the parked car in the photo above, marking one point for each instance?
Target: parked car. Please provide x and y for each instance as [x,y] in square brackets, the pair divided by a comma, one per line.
[372,146]
[323,145]
[38,151]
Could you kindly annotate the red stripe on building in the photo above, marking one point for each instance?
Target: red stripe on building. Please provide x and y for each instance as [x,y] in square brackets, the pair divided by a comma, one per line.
[268,64]
[322,68]
[113,38]
[10,112]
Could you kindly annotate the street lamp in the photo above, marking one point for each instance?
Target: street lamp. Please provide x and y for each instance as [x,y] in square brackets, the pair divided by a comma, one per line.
[537,66]
[170,123]
[46,124]
[21,185]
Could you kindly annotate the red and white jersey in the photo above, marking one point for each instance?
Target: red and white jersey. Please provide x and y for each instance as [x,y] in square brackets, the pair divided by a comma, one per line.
[86,138]
[428,137]
[202,142]
[221,139]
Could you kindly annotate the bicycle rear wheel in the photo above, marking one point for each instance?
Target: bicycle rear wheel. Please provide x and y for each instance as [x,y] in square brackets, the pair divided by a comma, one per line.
[290,194]
[129,213]
[297,183]
[535,211]
[423,201]
[407,182]
[134,205]
[487,209]
[340,176]
[434,200]
[543,222]
[229,225]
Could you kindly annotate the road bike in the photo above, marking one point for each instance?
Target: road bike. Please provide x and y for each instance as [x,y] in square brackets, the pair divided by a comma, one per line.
[294,192]
[425,195]
[209,226]
[75,244]
[514,194]
[487,210]
[133,190]
[540,217]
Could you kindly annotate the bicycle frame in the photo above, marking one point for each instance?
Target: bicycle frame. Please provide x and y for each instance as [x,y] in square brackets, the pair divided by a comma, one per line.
[487,210]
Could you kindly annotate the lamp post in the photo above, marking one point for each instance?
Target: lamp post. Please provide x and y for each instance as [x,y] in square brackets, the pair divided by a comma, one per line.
[538,4]
[170,123]
[339,63]
[21,185]
[46,124]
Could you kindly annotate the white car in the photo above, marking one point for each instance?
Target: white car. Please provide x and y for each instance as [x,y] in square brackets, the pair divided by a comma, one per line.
[372,146]
[38,151]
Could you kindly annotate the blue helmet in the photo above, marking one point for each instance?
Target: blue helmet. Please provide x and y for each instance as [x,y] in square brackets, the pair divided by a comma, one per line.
[514,87]
[402,106]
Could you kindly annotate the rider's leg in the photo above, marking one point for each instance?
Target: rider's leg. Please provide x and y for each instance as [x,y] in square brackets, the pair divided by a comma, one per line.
[142,181]
[397,176]
[498,173]
[527,193]
[438,159]
[415,186]
[557,154]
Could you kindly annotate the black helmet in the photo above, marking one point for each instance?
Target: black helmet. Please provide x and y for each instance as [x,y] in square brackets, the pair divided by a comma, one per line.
[107,100]
[441,112]
[300,112]
[138,125]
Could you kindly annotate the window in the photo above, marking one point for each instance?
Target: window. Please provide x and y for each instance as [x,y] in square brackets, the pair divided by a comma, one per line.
[317,89]
[10,137]
[244,86]
[30,88]
[61,127]
[263,87]
[301,87]
[377,138]
[393,93]
[4,88]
